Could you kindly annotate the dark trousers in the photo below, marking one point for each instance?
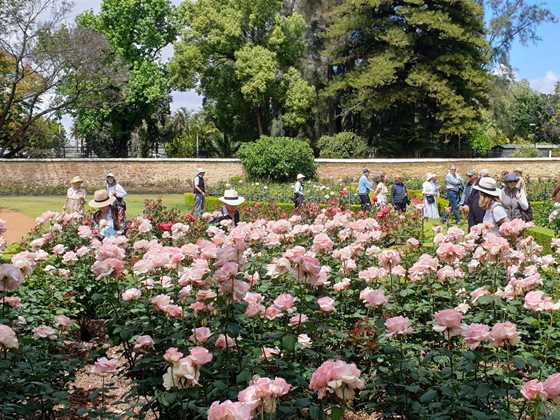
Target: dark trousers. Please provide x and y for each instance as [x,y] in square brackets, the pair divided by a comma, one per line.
[365,202]
[401,206]
[298,200]
[454,203]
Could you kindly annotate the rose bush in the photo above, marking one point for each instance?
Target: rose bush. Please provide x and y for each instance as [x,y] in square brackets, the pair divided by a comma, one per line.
[299,316]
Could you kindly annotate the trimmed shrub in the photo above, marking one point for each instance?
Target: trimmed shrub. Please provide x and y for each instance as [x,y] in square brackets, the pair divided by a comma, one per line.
[277,158]
[344,145]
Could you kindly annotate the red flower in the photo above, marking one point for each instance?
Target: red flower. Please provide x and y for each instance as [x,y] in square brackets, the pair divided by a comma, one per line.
[189,217]
[283,215]
[164,227]
[383,211]
[257,205]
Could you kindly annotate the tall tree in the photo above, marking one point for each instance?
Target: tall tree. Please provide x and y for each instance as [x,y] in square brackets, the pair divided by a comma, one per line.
[409,73]
[242,55]
[137,31]
[38,55]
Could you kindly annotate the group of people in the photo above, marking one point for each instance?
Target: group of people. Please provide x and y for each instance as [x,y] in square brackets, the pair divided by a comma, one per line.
[480,198]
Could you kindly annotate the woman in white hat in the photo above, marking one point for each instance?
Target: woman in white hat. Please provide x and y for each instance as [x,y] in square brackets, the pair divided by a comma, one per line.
[381,191]
[75,196]
[199,192]
[490,201]
[106,217]
[430,191]
[298,191]
[232,200]
[114,189]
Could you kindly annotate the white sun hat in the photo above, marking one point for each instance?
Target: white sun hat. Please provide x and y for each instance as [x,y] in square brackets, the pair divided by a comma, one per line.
[200,171]
[232,198]
[488,186]
[300,176]
[101,199]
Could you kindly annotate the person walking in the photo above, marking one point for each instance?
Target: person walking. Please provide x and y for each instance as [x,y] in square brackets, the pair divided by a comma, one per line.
[298,191]
[114,189]
[454,186]
[365,186]
[430,191]
[515,200]
[399,195]
[106,218]
[199,192]
[231,200]
[470,201]
[494,211]
[381,191]
[75,196]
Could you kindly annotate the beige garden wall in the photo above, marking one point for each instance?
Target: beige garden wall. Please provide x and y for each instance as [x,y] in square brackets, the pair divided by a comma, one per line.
[175,175]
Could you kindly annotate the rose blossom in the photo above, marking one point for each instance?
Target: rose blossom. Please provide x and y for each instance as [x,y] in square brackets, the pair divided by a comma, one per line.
[263,392]
[413,242]
[534,300]
[373,297]
[298,319]
[200,335]
[131,294]
[398,325]
[552,386]
[11,301]
[326,304]
[105,367]
[478,293]
[143,342]
[44,331]
[284,302]
[59,249]
[224,341]
[228,410]
[504,333]
[63,322]
[475,334]
[10,277]
[8,338]
[304,341]
[389,258]
[200,356]
[336,376]
[322,242]
[533,390]
[448,320]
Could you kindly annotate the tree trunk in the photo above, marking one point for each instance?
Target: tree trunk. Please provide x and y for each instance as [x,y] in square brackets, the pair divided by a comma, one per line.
[259,121]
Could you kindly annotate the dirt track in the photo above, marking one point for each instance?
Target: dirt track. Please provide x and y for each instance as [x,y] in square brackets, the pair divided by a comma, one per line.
[18,224]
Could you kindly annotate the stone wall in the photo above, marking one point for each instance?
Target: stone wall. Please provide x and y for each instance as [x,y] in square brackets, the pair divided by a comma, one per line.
[175,175]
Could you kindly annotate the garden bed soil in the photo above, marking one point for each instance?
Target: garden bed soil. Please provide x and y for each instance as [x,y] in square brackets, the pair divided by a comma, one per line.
[19,225]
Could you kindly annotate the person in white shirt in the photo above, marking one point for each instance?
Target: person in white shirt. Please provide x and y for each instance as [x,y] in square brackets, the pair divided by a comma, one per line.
[114,189]
[514,199]
[298,191]
[381,191]
[430,191]
[75,197]
[490,201]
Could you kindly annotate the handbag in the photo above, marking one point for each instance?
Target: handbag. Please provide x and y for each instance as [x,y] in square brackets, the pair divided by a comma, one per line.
[430,199]
[526,215]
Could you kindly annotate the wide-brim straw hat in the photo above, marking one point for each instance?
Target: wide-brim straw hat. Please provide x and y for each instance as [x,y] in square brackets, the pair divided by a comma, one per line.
[200,171]
[300,176]
[101,199]
[488,186]
[232,198]
[76,180]
[110,174]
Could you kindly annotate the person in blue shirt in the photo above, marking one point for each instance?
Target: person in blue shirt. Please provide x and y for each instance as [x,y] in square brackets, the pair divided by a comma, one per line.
[365,186]
[454,187]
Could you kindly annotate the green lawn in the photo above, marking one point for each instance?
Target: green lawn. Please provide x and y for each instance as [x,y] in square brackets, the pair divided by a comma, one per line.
[33,206]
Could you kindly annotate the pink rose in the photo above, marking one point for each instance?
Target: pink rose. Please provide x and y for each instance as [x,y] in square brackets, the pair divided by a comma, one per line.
[63,322]
[143,342]
[304,341]
[105,367]
[552,386]
[337,377]
[342,285]
[131,294]
[398,325]
[373,297]
[200,356]
[224,341]
[533,300]
[206,294]
[413,242]
[322,242]
[161,301]
[475,334]
[272,312]
[8,338]
[10,277]
[450,253]
[200,335]
[448,320]
[173,311]
[44,331]
[389,258]
[59,249]
[172,355]
[284,302]
[229,411]
[504,333]
[326,304]
[533,390]
[478,293]
[11,301]
[297,319]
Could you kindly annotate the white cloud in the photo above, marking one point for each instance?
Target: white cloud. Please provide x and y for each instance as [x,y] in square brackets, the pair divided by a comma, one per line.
[545,84]
[189,99]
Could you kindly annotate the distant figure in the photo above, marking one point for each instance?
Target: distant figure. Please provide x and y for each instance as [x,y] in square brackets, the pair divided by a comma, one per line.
[106,218]
[430,191]
[489,200]
[381,191]
[521,184]
[365,186]
[470,200]
[75,197]
[114,189]
[454,186]
[232,200]
[298,191]
[556,192]
[199,192]
[399,195]
[514,200]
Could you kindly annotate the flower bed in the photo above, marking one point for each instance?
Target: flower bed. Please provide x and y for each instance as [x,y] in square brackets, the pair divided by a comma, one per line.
[298,316]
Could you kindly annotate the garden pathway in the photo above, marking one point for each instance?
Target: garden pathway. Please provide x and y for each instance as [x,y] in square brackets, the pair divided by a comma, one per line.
[19,224]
